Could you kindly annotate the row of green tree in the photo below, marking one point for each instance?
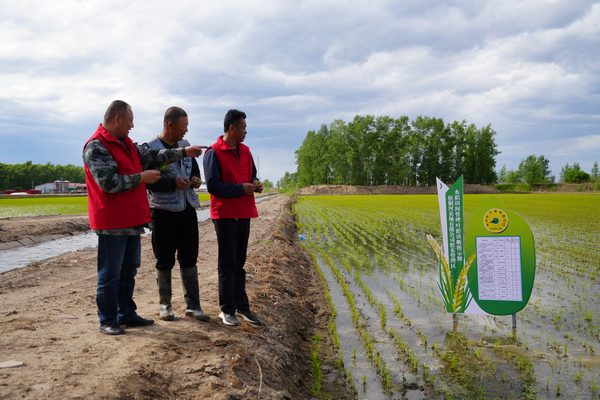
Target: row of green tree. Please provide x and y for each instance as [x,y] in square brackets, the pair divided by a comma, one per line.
[574,173]
[387,151]
[288,181]
[534,171]
[27,175]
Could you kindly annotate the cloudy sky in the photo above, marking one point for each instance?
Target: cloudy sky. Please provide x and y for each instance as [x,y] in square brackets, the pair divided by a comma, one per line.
[529,68]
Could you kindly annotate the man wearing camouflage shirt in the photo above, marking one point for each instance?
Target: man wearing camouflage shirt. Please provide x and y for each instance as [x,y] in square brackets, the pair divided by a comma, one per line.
[116,172]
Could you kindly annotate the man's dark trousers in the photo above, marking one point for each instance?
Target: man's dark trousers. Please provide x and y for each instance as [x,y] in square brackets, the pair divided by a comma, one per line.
[232,238]
[175,232]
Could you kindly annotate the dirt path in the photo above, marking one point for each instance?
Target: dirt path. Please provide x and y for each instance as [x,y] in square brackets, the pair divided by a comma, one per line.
[50,346]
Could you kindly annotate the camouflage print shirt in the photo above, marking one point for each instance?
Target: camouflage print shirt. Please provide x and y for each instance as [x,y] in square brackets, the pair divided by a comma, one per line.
[105,171]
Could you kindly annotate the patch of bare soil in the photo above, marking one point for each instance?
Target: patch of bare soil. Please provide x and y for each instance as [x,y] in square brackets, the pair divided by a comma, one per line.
[328,190]
[50,346]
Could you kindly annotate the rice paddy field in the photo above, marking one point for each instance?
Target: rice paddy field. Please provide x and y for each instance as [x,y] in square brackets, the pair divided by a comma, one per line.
[29,206]
[391,329]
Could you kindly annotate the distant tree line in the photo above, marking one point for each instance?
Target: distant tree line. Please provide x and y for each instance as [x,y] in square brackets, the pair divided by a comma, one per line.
[574,173]
[534,170]
[288,181]
[24,176]
[387,151]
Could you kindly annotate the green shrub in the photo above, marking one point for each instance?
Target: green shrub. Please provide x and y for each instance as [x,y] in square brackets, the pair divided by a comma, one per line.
[506,187]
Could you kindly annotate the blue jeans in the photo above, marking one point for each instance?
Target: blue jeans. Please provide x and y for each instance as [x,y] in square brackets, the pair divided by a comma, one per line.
[118,260]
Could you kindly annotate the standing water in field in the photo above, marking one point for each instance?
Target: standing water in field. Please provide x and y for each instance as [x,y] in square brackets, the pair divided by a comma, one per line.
[23,256]
[396,338]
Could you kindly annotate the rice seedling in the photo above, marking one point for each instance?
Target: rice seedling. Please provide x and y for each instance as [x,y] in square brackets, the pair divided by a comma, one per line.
[316,367]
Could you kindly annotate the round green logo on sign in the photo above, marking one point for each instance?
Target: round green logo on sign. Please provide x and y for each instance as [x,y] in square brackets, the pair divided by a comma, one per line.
[495,220]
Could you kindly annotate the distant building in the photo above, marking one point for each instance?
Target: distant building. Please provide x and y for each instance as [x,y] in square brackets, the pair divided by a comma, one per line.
[46,188]
[61,186]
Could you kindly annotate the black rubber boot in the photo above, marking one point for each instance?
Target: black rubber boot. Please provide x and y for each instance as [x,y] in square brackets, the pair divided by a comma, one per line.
[163,279]
[191,293]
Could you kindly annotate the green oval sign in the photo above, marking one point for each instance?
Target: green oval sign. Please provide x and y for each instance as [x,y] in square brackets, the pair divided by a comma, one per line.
[502,274]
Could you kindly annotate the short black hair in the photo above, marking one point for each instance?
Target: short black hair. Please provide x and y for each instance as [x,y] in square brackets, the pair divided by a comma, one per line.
[233,117]
[117,107]
[174,114]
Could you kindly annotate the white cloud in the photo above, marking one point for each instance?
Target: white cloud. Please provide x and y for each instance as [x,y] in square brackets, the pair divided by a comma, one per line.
[582,145]
[527,68]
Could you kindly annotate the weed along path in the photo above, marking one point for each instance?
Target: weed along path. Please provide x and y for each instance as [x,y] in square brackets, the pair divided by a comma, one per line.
[392,333]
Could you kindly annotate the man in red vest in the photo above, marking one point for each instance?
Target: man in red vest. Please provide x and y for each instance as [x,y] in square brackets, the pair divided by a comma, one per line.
[230,176]
[116,171]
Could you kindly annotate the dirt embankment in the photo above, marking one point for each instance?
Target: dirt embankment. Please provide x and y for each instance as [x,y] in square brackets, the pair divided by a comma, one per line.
[397,189]
[20,231]
[51,347]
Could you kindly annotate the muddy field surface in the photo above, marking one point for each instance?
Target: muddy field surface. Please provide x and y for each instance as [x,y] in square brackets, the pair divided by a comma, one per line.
[50,346]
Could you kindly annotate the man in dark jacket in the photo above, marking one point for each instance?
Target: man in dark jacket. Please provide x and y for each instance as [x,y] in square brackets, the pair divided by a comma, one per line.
[173,204]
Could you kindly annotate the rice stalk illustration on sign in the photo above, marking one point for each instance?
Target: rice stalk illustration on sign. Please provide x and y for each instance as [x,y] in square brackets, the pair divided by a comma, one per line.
[453,270]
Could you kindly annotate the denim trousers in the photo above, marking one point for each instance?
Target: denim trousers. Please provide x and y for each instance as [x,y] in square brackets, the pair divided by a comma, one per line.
[232,238]
[119,257]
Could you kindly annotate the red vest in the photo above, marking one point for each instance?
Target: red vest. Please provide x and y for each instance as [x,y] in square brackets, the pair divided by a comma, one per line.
[234,169]
[117,210]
